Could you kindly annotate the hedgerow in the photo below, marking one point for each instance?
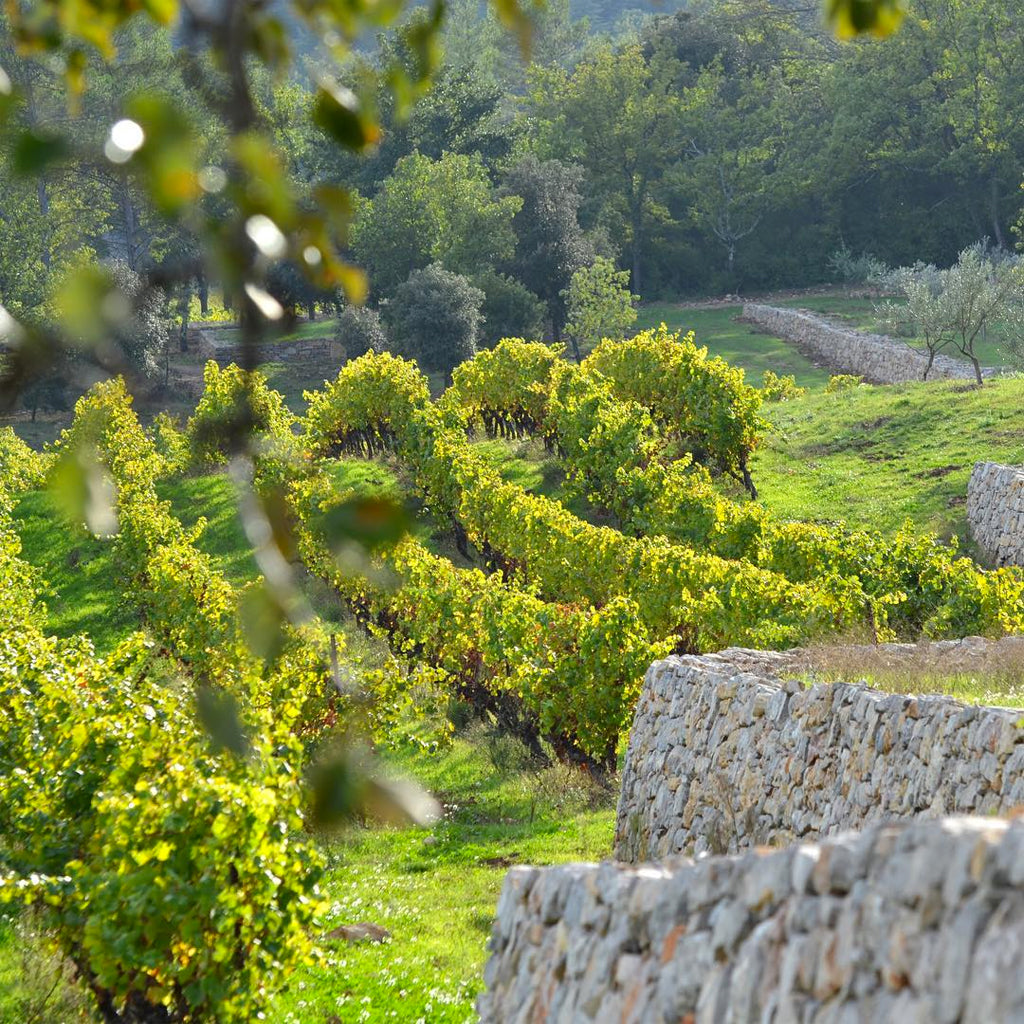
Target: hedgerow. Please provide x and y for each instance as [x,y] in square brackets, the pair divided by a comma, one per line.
[21,467]
[236,406]
[705,600]
[703,401]
[189,605]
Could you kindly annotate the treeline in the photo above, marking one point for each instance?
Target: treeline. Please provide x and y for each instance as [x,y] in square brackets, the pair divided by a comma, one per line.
[730,147]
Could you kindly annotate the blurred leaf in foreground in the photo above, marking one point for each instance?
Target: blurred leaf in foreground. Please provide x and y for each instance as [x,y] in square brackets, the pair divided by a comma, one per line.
[84,491]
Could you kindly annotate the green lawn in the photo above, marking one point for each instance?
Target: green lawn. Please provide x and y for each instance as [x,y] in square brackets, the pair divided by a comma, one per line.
[875,456]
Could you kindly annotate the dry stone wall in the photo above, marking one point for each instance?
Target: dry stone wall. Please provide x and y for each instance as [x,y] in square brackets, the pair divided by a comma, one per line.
[224,348]
[995,511]
[724,755]
[915,922]
[875,357]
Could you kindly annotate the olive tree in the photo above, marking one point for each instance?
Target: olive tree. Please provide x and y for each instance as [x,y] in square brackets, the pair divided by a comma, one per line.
[981,291]
[957,307]
[926,313]
[360,330]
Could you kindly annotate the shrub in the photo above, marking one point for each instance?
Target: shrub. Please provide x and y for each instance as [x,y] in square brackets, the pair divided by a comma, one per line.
[170,442]
[510,309]
[21,467]
[144,336]
[360,330]
[842,382]
[435,318]
[853,269]
[599,304]
[236,407]
[175,879]
[704,402]
[780,389]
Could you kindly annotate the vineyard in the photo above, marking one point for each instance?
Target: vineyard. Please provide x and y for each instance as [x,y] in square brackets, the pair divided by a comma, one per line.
[161,797]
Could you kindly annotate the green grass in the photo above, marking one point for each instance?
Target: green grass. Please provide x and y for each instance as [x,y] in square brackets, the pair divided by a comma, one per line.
[738,343]
[436,891]
[83,591]
[322,328]
[215,498]
[875,456]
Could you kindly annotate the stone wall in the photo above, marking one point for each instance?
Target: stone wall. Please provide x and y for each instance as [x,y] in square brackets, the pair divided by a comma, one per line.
[875,357]
[995,511]
[917,922]
[724,755]
[223,348]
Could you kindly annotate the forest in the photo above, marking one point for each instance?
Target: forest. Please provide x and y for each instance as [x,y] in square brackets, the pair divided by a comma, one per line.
[725,148]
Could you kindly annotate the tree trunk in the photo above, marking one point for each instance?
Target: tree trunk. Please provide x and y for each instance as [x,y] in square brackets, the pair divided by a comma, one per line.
[931,359]
[204,296]
[637,217]
[748,481]
[44,209]
[131,226]
[993,200]
[977,368]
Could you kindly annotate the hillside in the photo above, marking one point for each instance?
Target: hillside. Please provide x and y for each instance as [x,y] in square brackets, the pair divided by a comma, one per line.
[876,456]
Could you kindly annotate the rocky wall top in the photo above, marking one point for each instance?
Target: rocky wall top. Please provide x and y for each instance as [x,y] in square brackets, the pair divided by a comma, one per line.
[875,357]
[724,755]
[995,511]
[918,922]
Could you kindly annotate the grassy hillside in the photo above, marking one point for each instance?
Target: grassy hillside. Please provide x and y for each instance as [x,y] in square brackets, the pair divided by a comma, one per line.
[875,456]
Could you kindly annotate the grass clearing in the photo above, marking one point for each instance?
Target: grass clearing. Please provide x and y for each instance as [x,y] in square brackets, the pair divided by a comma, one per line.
[876,456]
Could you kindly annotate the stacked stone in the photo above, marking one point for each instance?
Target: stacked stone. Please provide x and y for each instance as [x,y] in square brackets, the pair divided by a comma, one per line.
[227,350]
[995,511]
[723,755]
[875,357]
[916,922]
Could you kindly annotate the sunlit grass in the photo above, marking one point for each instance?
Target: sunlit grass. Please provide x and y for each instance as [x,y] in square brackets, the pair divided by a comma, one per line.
[877,456]
[436,891]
